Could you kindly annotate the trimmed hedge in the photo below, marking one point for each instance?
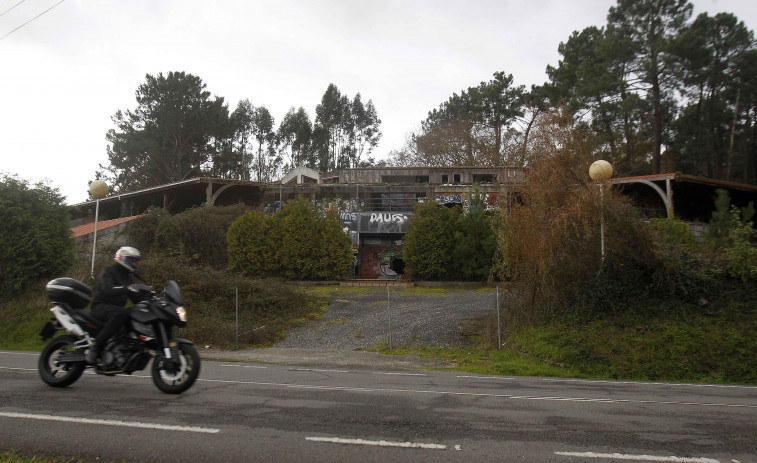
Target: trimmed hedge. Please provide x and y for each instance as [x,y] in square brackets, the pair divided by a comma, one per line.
[35,237]
[296,243]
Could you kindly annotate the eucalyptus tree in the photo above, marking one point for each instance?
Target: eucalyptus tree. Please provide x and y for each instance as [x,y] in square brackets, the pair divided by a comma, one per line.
[267,162]
[345,130]
[333,116]
[242,155]
[169,136]
[254,142]
[294,136]
[365,133]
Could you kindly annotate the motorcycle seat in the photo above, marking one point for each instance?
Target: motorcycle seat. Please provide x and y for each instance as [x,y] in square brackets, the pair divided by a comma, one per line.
[88,318]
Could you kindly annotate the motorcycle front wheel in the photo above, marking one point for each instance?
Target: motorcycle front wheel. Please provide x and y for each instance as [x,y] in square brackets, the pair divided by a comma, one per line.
[177,379]
[53,372]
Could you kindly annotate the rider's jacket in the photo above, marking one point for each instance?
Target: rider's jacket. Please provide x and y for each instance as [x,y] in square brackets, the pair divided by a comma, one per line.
[112,286]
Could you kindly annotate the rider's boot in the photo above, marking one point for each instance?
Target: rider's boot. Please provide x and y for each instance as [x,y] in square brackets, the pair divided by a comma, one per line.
[92,354]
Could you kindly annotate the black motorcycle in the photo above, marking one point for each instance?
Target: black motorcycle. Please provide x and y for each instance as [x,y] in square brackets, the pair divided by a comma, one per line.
[147,335]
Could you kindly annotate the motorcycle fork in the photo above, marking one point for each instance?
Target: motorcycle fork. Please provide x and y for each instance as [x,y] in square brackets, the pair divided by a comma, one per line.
[170,347]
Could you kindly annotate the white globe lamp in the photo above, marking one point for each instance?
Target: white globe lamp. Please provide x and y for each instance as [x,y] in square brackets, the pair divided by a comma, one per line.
[98,189]
[600,171]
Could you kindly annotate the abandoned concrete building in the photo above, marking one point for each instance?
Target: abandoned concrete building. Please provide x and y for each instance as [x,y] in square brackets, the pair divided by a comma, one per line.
[376,203]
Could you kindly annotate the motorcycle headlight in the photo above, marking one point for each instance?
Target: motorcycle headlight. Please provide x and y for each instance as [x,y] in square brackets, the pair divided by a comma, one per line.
[182,313]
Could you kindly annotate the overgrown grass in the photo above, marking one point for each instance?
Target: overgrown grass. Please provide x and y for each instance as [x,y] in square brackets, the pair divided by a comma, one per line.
[18,456]
[22,318]
[265,308]
[662,341]
[12,457]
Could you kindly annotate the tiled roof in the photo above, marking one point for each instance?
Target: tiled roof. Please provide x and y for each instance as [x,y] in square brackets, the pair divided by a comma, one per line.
[88,228]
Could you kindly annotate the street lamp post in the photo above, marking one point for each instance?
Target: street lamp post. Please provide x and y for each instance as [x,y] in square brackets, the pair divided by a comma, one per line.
[98,189]
[600,172]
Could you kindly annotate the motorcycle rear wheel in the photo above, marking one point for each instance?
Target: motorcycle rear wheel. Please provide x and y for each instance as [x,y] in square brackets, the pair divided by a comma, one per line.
[58,374]
[177,380]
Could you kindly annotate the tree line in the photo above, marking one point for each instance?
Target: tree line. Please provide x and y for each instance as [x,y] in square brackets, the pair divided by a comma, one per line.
[179,131]
[655,90]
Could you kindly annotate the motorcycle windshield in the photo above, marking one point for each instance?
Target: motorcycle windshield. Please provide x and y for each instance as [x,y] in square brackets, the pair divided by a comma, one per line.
[173,293]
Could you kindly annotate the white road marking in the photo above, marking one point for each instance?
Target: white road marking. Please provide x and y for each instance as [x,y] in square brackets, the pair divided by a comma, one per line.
[243,366]
[401,374]
[128,424]
[19,353]
[22,369]
[644,383]
[475,394]
[463,394]
[620,456]
[486,377]
[319,370]
[379,443]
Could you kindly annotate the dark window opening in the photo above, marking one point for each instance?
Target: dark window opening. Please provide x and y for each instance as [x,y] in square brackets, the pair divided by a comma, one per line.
[405,179]
[484,178]
[445,178]
[457,178]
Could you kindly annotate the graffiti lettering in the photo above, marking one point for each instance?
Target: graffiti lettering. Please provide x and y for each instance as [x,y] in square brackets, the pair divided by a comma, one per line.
[386,218]
[448,199]
[383,222]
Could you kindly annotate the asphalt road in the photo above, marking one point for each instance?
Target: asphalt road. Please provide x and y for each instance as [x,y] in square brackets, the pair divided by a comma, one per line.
[258,412]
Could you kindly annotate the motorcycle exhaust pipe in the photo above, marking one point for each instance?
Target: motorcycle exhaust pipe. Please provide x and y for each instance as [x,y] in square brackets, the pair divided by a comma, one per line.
[67,321]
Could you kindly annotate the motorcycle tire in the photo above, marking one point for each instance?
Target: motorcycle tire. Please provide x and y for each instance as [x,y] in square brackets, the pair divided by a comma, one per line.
[177,380]
[54,373]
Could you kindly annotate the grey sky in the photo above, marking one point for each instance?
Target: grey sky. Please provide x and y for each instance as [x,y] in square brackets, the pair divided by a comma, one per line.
[65,74]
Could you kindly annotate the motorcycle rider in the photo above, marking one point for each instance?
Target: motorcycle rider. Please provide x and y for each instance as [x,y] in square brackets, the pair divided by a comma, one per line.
[111,296]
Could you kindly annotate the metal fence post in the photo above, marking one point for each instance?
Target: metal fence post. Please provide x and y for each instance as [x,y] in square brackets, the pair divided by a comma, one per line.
[389,307]
[499,325]
[236,317]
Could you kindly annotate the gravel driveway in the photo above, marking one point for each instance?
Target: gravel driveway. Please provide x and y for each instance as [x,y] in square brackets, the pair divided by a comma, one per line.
[360,318]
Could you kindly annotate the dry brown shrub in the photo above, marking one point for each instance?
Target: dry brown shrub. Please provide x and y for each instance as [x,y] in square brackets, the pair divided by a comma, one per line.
[550,244]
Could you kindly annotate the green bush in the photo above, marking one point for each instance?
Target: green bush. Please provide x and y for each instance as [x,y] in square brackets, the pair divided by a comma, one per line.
[35,237]
[674,231]
[296,243]
[249,249]
[198,235]
[475,242]
[430,242]
[739,254]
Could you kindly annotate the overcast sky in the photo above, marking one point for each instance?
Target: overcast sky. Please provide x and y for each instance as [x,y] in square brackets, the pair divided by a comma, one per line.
[63,75]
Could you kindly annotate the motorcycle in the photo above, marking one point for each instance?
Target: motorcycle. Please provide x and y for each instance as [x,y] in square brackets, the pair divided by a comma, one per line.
[147,335]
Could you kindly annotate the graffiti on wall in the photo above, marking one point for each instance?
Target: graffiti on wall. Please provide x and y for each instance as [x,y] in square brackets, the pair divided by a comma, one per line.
[383,222]
[350,221]
[376,257]
[448,199]
[375,222]
[491,202]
